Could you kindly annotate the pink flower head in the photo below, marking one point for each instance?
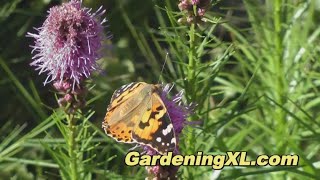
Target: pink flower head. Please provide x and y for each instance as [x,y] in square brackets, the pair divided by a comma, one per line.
[68,43]
[184,5]
[195,2]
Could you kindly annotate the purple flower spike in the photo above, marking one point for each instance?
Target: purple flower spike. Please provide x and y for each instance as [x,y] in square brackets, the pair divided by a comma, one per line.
[162,172]
[68,44]
[178,113]
[195,2]
[177,110]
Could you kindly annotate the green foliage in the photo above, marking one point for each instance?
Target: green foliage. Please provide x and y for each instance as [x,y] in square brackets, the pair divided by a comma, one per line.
[252,67]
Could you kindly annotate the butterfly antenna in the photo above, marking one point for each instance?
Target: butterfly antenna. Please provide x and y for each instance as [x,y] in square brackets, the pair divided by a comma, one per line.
[133,148]
[165,61]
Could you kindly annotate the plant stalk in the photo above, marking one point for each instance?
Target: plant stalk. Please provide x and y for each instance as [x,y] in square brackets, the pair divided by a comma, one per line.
[192,86]
[192,62]
[278,56]
[72,146]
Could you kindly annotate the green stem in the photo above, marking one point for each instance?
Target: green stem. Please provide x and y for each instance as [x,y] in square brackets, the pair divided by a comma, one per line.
[279,54]
[72,146]
[277,25]
[280,73]
[191,88]
[192,61]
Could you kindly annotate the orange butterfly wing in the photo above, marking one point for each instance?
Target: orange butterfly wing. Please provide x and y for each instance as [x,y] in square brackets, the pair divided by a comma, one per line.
[120,118]
[155,128]
[137,114]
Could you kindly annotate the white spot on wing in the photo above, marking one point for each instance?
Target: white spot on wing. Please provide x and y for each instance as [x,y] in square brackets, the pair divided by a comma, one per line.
[158,139]
[167,130]
[173,140]
[126,87]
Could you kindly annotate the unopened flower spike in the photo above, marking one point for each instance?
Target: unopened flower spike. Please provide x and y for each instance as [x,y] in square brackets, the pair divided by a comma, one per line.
[68,44]
[191,16]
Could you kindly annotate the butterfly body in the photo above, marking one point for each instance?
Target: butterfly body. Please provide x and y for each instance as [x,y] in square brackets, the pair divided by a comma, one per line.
[137,114]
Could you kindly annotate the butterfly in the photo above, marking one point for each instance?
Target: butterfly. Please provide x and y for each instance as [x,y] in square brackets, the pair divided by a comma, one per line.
[137,114]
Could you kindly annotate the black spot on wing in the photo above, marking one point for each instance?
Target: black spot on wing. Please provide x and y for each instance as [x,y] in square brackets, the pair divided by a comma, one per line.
[143,125]
[159,108]
[119,100]
[153,114]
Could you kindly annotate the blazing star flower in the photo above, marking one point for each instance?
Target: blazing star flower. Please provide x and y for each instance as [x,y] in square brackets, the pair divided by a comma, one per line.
[68,43]
[177,110]
[178,113]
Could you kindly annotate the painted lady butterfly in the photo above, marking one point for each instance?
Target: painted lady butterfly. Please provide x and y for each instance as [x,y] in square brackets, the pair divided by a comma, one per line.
[137,114]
